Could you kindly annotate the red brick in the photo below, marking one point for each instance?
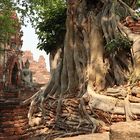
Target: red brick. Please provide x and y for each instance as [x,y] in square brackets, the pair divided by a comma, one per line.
[131,25]
[19,130]
[24,124]
[21,121]
[6,110]
[7,118]
[7,122]
[10,138]
[37,68]
[9,131]
[135,28]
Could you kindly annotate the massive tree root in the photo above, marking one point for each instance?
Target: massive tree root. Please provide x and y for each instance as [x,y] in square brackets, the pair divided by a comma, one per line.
[83,68]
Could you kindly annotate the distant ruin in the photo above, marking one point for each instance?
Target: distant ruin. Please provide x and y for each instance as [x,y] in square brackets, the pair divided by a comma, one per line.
[38,68]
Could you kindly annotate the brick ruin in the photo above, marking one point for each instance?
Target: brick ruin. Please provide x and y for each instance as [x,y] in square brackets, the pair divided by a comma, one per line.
[38,68]
[13,116]
[133,24]
[13,120]
[10,59]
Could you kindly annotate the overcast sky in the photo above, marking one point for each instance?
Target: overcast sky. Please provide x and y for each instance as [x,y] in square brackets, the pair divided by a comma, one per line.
[30,41]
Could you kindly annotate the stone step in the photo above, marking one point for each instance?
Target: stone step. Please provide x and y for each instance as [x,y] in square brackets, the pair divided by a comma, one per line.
[95,136]
[125,131]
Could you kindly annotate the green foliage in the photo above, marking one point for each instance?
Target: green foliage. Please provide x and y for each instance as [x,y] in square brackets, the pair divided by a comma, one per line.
[51,29]
[138,3]
[48,18]
[120,42]
[138,7]
[6,22]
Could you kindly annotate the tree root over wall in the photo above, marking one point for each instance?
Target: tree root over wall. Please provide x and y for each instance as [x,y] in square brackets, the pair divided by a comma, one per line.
[75,100]
[91,113]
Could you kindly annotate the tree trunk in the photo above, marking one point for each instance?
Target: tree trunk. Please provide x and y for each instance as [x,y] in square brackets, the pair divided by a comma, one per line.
[84,62]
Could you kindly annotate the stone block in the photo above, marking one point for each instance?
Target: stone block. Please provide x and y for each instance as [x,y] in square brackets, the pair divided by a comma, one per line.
[125,131]
[95,136]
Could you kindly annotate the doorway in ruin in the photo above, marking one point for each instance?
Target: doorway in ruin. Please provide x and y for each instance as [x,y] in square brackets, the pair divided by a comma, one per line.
[14,76]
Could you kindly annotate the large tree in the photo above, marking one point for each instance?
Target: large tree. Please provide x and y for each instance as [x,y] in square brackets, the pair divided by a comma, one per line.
[99,52]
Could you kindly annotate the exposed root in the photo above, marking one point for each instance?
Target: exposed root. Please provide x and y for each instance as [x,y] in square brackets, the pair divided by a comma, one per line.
[34,106]
[86,116]
[70,100]
[58,109]
[30,113]
[127,107]
[110,104]
[136,47]
[28,101]
[132,12]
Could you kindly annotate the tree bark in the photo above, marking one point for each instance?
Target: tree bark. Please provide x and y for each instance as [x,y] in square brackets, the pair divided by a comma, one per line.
[84,62]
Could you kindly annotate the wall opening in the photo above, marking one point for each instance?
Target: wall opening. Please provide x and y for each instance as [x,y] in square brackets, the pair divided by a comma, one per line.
[14,76]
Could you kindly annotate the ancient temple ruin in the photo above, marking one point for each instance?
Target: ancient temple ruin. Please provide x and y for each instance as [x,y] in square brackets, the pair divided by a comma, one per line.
[16,85]
[40,74]
[10,58]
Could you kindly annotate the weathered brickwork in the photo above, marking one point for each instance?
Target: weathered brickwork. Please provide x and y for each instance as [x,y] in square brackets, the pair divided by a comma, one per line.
[13,120]
[133,24]
[38,68]
[10,58]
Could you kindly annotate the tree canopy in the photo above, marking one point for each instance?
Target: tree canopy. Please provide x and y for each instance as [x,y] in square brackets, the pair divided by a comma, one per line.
[47,16]
[6,20]
[49,33]
[50,22]
[51,28]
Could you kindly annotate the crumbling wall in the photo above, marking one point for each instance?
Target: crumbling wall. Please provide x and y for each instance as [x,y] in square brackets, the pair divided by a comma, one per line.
[13,120]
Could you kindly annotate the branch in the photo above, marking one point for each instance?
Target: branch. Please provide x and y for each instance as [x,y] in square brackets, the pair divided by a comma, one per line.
[28,101]
[132,12]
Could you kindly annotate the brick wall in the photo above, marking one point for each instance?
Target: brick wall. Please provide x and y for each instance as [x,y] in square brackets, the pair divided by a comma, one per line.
[133,24]
[13,120]
[38,68]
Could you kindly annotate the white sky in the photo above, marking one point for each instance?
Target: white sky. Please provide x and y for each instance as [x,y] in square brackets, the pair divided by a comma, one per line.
[30,41]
